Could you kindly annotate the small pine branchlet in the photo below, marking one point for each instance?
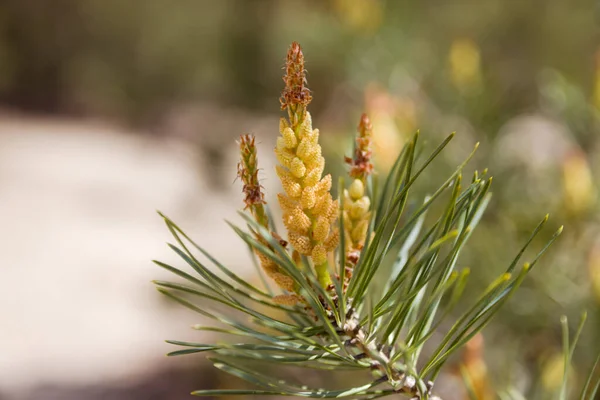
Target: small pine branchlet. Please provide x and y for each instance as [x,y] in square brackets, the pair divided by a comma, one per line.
[329,311]
[357,203]
[254,200]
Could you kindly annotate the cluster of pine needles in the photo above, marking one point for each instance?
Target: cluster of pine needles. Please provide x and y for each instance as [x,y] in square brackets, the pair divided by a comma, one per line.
[361,282]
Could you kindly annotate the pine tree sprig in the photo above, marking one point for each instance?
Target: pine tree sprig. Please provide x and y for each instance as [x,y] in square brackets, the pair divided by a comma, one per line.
[359,284]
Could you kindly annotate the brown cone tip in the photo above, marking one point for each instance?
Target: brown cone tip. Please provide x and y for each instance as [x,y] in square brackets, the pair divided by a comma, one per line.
[295,92]
[361,165]
[364,126]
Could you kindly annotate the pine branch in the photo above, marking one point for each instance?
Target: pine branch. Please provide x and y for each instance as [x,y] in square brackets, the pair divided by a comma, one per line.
[323,307]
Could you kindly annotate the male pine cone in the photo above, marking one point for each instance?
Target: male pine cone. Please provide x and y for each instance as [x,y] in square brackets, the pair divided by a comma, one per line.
[357,203]
[309,211]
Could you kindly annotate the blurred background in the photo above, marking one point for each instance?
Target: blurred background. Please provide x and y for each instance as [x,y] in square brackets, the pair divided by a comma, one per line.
[110,110]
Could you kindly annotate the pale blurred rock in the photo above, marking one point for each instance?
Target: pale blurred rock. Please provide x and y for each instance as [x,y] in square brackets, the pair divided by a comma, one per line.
[78,202]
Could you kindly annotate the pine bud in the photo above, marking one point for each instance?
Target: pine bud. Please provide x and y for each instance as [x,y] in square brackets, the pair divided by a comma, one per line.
[357,189]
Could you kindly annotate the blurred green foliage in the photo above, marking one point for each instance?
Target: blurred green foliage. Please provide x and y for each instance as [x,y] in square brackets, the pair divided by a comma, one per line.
[522,77]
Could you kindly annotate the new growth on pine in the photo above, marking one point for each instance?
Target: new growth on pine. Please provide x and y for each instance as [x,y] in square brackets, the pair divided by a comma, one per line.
[320,274]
